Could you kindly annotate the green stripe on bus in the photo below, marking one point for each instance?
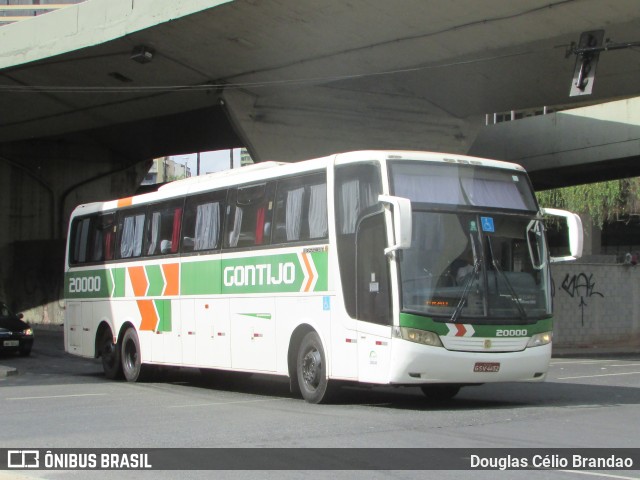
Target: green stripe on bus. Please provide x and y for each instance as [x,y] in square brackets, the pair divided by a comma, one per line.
[87,284]
[426,323]
[200,278]
[266,316]
[163,308]
[321,261]
[156,280]
[268,274]
[119,275]
[280,273]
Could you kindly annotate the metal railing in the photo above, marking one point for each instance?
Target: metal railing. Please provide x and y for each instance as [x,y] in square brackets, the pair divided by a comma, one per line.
[36,9]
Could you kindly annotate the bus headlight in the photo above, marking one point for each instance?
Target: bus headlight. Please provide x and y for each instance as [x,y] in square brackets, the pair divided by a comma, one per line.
[540,339]
[420,336]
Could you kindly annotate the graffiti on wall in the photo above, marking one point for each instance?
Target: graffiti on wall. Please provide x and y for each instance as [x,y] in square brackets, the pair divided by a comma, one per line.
[580,285]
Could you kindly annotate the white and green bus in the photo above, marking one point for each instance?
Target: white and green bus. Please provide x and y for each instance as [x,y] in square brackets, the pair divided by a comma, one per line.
[378,267]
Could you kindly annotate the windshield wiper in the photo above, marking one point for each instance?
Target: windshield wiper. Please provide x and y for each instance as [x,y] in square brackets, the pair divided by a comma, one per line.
[467,288]
[512,292]
[469,281]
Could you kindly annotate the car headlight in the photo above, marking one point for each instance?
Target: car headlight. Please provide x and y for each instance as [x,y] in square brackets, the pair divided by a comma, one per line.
[423,337]
[540,339]
[27,332]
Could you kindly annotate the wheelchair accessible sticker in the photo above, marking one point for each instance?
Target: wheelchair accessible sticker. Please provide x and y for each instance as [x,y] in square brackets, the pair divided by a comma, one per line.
[487,224]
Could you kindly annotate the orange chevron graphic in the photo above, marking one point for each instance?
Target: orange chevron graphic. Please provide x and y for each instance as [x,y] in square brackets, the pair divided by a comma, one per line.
[149,315]
[309,270]
[138,281]
[172,276]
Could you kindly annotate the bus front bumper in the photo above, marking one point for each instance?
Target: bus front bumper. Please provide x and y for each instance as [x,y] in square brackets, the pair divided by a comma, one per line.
[419,364]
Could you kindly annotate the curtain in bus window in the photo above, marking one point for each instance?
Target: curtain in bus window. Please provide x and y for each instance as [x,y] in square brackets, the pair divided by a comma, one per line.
[368,196]
[131,241]
[84,239]
[108,244]
[294,213]
[491,193]
[98,241]
[175,235]
[259,233]
[207,226]
[350,205]
[318,222]
[234,235]
[429,189]
[155,233]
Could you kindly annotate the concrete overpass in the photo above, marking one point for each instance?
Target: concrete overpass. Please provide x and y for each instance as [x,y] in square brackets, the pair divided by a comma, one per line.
[91,92]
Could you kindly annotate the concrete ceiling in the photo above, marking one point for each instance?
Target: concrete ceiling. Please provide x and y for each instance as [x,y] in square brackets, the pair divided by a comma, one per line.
[294,79]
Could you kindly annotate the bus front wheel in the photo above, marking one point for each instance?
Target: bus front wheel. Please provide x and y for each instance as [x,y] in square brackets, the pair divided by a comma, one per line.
[311,368]
[131,358]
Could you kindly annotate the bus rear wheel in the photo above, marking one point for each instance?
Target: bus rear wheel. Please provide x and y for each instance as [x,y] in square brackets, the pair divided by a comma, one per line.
[110,355]
[311,369]
[440,392]
[132,366]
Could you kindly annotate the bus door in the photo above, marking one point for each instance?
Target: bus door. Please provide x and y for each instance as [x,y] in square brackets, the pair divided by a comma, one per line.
[373,299]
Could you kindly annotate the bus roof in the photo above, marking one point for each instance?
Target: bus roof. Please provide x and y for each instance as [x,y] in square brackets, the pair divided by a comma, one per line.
[272,169]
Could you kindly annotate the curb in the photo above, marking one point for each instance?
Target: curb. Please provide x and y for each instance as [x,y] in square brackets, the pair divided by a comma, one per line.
[7,371]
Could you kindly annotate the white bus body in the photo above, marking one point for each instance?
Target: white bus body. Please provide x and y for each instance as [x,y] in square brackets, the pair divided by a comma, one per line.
[333,269]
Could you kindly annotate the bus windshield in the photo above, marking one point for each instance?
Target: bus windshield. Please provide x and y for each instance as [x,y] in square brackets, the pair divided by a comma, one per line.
[478,252]
[462,186]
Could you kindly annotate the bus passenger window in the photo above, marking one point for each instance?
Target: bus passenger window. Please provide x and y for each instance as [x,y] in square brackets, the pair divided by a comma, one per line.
[131,228]
[90,238]
[103,238]
[249,216]
[301,209]
[163,228]
[202,225]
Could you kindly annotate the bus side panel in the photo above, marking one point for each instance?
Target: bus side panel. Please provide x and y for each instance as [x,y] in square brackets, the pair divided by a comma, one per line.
[374,352]
[213,331]
[344,345]
[292,311]
[253,333]
[73,328]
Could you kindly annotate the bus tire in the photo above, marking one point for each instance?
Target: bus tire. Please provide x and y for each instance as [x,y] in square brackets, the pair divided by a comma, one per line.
[440,392]
[132,366]
[110,355]
[311,370]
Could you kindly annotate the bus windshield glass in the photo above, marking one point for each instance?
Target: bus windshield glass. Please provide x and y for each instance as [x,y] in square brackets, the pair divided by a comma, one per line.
[462,186]
[478,253]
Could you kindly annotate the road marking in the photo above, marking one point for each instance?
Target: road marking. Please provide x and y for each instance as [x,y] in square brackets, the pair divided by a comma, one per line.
[579,362]
[58,396]
[209,404]
[601,375]
[598,474]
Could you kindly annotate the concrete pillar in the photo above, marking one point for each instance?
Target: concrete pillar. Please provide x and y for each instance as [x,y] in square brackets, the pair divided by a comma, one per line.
[41,182]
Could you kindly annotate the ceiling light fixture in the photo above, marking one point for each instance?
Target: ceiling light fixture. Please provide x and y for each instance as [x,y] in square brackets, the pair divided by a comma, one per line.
[142,54]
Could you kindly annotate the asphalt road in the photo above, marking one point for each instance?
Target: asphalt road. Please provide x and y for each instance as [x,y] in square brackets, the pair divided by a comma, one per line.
[57,401]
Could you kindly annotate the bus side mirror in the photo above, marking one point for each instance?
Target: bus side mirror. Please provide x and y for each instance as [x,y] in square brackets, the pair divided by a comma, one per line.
[401,222]
[573,226]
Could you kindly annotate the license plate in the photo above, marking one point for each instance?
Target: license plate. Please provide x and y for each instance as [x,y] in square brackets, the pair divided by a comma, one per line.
[11,343]
[486,367]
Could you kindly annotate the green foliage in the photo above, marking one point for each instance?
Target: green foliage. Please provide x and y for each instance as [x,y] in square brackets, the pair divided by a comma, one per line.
[603,201]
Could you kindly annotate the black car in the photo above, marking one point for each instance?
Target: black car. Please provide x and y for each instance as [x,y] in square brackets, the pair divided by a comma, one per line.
[15,335]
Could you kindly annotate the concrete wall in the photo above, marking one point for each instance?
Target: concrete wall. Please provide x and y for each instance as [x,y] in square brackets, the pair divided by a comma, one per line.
[40,184]
[596,304]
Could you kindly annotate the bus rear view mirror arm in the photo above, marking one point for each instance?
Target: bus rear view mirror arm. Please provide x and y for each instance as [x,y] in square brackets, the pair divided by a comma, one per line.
[401,222]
